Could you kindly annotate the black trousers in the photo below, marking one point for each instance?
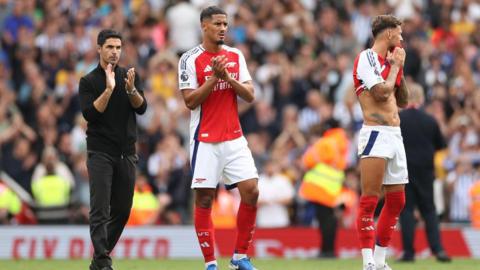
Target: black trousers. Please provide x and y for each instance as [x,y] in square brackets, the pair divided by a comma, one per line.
[328,228]
[419,192]
[112,181]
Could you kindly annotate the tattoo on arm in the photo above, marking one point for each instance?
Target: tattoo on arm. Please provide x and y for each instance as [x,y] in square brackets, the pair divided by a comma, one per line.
[379,119]
[379,93]
[401,94]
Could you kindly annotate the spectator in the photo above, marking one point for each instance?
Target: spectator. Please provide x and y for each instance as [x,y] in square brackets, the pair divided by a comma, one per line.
[459,183]
[81,191]
[52,181]
[275,196]
[310,115]
[50,161]
[183,34]
[19,161]
[15,22]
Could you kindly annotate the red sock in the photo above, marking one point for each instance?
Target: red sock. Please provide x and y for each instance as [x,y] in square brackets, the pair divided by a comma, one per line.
[205,233]
[394,203]
[246,217]
[365,222]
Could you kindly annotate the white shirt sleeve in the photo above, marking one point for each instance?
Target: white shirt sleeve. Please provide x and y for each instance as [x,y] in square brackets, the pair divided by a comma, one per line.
[367,69]
[243,70]
[187,77]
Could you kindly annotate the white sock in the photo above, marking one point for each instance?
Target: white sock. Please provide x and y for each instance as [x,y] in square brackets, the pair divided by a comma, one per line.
[237,256]
[367,255]
[210,263]
[379,255]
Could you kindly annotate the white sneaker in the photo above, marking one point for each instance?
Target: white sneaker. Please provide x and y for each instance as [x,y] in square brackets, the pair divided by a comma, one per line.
[384,267]
[369,266]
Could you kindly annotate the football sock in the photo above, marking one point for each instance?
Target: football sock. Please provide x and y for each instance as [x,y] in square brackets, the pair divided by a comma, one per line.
[207,264]
[379,255]
[237,256]
[205,233]
[394,203]
[246,217]
[367,255]
[365,222]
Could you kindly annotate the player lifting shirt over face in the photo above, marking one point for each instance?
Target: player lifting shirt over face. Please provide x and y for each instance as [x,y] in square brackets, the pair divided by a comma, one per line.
[211,76]
[381,90]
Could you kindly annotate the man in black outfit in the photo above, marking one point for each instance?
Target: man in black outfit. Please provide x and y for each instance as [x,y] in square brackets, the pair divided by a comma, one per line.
[421,137]
[109,100]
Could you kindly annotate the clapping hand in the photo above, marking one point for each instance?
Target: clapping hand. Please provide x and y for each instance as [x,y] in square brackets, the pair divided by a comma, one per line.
[219,67]
[110,77]
[130,80]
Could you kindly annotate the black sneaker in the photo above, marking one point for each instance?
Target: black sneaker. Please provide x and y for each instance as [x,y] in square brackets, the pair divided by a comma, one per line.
[406,259]
[443,257]
[93,266]
[326,255]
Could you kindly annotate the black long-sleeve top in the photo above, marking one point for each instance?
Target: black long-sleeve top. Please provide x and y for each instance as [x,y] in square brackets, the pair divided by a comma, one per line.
[421,137]
[115,130]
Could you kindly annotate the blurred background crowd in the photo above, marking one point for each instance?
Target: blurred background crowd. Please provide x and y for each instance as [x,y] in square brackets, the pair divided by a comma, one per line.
[300,54]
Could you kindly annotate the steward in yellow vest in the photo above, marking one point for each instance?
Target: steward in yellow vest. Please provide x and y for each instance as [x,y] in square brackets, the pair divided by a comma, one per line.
[326,159]
[322,184]
[146,205]
[51,190]
[10,204]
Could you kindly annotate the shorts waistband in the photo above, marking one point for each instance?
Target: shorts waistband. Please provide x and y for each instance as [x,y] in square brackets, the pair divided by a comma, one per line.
[383,128]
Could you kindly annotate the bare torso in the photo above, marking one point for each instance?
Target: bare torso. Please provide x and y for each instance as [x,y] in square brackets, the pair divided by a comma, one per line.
[379,113]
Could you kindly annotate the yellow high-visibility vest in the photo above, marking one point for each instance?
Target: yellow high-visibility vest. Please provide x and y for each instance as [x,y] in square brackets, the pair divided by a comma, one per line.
[9,200]
[51,190]
[323,185]
[145,205]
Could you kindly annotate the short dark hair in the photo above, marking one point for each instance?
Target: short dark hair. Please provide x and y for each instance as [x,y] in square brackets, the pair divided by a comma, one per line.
[208,12]
[382,22]
[106,34]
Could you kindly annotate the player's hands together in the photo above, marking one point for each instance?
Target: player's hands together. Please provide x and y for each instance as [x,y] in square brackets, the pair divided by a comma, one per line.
[130,80]
[110,77]
[397,57]
[219,67]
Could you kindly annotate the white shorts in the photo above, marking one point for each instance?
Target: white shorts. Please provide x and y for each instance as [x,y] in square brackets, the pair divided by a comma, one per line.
[385,142]
[230,160]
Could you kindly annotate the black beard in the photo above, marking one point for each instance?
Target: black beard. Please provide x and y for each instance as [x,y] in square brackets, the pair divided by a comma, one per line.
[220,42]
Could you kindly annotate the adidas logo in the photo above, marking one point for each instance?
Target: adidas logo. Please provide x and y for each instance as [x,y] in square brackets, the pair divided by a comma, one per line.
[204,245]
[368,228]
[207,68]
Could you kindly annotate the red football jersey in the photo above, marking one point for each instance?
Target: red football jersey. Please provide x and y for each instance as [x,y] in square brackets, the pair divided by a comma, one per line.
[370,69]
[216,119]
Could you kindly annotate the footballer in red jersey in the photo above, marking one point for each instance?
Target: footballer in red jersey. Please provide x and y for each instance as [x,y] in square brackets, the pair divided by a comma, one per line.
[381,90]
[211,76]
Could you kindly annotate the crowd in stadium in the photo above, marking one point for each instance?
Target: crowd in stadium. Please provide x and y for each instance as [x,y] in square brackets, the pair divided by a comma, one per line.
[300,54]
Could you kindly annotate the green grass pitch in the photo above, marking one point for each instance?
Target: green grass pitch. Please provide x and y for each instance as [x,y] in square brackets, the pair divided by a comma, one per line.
[457,264]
